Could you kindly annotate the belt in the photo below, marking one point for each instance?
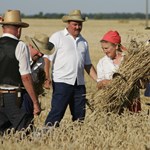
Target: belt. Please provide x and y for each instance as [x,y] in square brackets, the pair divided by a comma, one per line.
[8,91]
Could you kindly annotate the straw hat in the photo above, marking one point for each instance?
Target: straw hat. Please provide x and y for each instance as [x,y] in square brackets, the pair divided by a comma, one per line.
[74,15]
[41,43]
[13,17]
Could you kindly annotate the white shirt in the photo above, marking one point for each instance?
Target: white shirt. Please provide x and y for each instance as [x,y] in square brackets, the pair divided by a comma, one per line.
[22,55]
[106,68]
[69,58]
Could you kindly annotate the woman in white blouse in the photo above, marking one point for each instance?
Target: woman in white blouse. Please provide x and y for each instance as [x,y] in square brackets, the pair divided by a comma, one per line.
[108,65]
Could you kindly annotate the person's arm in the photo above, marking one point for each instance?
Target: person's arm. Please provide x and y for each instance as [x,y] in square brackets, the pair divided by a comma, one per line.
[91,71]
[102,80]
[22,55]
[28,84]
[47,82]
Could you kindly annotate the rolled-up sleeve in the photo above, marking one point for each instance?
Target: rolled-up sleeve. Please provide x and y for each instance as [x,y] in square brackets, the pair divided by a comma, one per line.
[100,72]
[87,55]
[23,56]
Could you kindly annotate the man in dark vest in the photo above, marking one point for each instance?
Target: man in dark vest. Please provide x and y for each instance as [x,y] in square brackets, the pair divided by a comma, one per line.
[15,74]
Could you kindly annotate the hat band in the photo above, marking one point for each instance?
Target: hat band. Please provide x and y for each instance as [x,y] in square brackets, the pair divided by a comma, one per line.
[35,44]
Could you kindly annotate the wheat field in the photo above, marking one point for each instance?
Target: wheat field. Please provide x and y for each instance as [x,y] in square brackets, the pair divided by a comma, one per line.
[100,131]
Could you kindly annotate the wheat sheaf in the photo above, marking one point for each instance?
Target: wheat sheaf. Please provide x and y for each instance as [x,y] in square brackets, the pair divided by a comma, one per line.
[136,66]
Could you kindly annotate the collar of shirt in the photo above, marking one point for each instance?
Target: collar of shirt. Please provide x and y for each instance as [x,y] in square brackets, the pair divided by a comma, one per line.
[66,32]
[38,64]
[9,35]
[108,58]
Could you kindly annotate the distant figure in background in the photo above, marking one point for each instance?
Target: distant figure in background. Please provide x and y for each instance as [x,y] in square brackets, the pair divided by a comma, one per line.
[38,46]
[109,64]
[68,64]
[15,74]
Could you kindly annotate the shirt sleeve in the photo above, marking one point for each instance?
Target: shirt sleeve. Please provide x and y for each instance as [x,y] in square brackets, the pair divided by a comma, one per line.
[100,72]
[23,56]
[46,56]
[87,55]
[53,39]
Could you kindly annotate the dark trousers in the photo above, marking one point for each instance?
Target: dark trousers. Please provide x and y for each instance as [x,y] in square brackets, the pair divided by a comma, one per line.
[11,115]
[64,95]
[147,91]
[27,105]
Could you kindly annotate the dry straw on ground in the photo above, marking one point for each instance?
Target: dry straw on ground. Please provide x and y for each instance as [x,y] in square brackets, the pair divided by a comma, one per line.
[99,132]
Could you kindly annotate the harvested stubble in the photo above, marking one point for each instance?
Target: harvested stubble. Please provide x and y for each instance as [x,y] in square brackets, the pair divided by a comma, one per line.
[135,66]
[98,132]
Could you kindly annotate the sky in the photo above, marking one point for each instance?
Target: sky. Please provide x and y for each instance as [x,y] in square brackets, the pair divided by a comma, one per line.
[31,7]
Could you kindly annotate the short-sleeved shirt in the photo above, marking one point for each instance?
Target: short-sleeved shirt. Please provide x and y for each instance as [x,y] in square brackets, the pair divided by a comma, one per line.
[22,55]
[106,68]
[70,57]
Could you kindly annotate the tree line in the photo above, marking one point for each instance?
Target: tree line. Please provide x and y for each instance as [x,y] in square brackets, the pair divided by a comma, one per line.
[90,15]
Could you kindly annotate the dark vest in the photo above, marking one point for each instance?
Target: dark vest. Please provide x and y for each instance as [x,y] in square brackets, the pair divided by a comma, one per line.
[9,65]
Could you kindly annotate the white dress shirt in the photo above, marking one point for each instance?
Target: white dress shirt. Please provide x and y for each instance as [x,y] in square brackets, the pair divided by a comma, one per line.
[106,68]
[22,55]
[69,58]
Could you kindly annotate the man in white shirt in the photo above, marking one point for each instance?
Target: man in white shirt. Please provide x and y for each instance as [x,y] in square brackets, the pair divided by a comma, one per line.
[70,59]
[15,73]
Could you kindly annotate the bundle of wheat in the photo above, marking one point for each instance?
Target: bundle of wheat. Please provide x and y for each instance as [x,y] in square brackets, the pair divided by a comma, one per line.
[136,66]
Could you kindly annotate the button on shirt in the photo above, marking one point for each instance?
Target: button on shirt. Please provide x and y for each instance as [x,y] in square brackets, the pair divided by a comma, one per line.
[106,68]
[69,58]
[22,55]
